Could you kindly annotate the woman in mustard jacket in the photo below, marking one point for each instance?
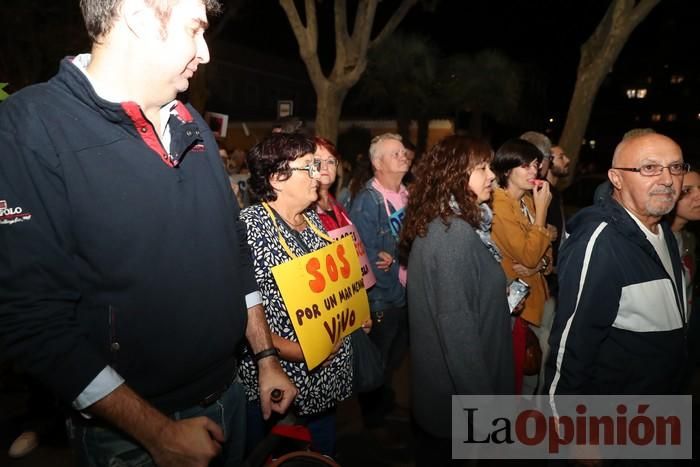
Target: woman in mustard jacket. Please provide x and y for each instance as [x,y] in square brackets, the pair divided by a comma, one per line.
[520,231]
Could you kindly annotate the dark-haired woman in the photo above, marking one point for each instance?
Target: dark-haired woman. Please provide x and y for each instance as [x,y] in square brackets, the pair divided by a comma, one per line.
[459,322]
[282,226]
[520,230]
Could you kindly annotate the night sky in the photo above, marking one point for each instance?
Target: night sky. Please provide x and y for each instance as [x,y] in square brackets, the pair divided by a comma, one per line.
[544,33]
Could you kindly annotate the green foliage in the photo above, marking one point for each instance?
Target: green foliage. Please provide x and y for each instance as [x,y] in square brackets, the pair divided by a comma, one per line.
[3,94]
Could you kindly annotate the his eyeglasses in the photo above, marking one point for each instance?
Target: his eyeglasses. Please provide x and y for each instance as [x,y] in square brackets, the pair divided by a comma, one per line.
[652,170]
[330,163]
[313,168]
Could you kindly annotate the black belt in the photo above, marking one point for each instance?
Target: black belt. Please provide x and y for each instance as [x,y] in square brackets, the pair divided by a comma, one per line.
[214,396]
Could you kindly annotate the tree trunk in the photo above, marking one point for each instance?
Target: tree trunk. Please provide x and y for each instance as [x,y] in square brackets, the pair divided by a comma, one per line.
[350,53]
[329,103]
[587,84]
[598,55]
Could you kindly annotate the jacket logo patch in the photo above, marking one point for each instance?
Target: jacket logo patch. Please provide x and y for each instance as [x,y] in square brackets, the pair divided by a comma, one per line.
[10,215]
[198,148]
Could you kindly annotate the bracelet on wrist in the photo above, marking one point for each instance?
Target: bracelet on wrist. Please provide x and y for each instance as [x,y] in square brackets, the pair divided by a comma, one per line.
[271,352]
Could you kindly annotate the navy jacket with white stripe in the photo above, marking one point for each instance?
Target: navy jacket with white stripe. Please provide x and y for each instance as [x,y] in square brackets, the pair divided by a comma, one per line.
[620,321]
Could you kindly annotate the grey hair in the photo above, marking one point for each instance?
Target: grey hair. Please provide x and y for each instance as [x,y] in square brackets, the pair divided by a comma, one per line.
[539,140]
[373,149]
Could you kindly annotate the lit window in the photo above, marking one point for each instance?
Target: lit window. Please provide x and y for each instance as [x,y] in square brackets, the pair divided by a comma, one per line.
[655,117]
[636,93]
[591,143]
[698,116]
[677,79]
[671,117]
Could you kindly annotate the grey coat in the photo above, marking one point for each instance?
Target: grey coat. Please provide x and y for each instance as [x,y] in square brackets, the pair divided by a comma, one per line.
[460,330]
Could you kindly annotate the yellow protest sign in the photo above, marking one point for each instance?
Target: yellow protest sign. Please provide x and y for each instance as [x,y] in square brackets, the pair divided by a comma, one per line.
[325,297]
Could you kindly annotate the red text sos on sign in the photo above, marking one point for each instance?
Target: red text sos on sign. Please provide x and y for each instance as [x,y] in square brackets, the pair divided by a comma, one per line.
[334,269]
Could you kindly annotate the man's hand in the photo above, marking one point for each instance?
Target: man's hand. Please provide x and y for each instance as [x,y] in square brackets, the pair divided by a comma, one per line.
[271,377]
[385,261]
[189,442]
[553,232]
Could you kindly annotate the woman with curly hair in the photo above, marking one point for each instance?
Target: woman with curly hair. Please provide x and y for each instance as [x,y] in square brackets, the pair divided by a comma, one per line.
[459,321]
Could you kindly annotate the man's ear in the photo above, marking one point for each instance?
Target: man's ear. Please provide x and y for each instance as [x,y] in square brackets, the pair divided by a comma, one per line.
[140,19]
[615,178]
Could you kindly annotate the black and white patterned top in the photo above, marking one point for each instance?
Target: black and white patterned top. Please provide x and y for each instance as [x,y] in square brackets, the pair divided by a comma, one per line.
[321,388]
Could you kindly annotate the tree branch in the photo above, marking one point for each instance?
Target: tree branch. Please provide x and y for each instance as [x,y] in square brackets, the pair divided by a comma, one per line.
[641,11]
[393,22]
[342,39]
[305,39]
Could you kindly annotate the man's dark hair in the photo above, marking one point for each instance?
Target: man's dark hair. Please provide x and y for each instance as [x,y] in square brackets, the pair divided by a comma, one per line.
[272,156]
[99,15]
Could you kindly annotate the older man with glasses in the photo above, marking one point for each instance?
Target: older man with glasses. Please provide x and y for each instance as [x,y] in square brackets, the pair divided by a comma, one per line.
[377,211]
[621,320]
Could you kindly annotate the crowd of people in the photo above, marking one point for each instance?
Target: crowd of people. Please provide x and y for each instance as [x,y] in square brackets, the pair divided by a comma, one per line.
[135,289]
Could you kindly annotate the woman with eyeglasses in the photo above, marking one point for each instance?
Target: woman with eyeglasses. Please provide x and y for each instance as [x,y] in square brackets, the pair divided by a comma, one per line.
[458,314]
[331,212]
[283,225]
[521,233]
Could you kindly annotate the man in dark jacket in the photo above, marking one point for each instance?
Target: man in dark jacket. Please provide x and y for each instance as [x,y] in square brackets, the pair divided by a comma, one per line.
[621,316]
[124,271]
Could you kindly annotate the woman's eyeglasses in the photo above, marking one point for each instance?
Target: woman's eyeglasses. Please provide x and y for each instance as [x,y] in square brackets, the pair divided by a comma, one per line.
[330,163]
[313,168]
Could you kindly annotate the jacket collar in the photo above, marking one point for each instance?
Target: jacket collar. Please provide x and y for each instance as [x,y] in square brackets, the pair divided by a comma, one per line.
[184,133]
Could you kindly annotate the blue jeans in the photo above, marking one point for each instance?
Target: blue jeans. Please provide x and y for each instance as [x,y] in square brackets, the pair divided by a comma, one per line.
[99,446]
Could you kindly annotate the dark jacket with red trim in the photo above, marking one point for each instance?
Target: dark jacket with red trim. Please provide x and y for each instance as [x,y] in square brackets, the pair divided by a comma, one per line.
[124,257]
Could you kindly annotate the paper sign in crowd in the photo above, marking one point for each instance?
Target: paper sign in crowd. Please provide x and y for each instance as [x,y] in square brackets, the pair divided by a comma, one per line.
[325,296]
